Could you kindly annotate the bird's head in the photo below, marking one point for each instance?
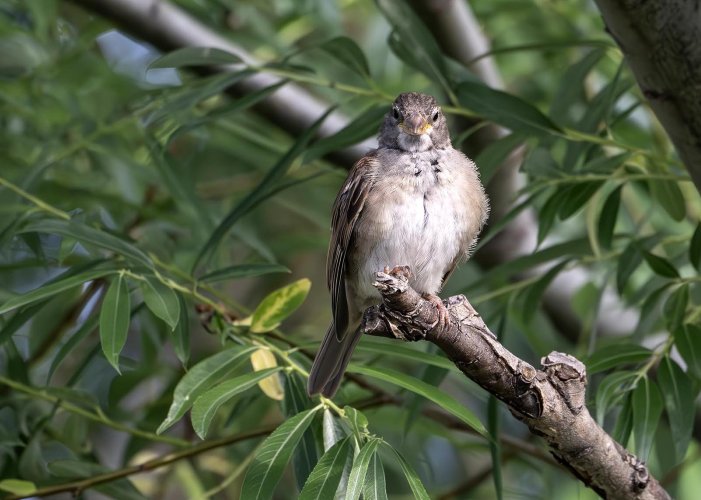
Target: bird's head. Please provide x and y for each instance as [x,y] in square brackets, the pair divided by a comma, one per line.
[414,123]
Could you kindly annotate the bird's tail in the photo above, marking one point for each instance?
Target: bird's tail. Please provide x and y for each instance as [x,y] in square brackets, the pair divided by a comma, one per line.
[331,362]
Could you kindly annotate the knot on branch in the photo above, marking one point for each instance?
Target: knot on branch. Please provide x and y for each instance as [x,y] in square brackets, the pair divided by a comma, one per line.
[569,377]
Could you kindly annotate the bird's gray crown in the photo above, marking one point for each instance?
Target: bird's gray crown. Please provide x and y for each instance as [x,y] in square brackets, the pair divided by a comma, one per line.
[414,123]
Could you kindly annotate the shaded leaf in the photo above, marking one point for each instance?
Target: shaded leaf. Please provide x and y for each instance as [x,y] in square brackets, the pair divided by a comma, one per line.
[91,236]
[181,334]
[263,359]
[646,403]
[207,404]
[375,487]
[360,468]
[269,464]
[121,488]
[161,300]
[242,271]
[407,352]
[624,422]
[677,393]
[505,109]
[331,430]
[611,391]
[695,248]
[417,487]
[660,265]
[423,389]
[674,309]
[629,261]
[687,338]
[571,88]
[670,196]
[279,305]
[495,154]
[261,191]
[533,293]
[195,56]
[616,355]
[607,219]
[324,479]
[115,316]
[576,196]
[202,376]
[347,51]
[357,420]
[296,401]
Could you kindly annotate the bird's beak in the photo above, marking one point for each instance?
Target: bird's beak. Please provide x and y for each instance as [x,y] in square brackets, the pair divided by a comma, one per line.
[415,124]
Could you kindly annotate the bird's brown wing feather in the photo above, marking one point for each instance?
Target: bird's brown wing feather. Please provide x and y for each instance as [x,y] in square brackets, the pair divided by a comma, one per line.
[346,211]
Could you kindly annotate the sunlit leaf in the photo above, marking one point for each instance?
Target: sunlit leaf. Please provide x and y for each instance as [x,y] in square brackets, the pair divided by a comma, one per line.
[18,487]
[375,487]
[263,359]
[161,300]
[272,456]
[360,469]
[279,305]
[115,317]
[423,389]
[324,479]
[206,406]
[201,377]
[647,407]
[195,56]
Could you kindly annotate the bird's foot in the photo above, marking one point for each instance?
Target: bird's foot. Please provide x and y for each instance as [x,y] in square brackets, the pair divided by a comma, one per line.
[443,313]
[403,271]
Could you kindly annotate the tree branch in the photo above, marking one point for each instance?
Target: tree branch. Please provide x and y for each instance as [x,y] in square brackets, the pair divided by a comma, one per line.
[550,401]
[661,41]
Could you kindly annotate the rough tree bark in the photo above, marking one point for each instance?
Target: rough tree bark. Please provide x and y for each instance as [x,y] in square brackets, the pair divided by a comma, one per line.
[550,401]
[661,41]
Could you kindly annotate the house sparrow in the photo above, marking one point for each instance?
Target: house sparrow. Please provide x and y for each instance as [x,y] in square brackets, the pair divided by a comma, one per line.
[413,201]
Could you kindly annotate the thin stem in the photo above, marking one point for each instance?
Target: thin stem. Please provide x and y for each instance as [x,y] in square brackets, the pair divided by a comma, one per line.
[41,204]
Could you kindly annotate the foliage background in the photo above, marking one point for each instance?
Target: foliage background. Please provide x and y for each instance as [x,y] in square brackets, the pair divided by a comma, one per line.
[115,177]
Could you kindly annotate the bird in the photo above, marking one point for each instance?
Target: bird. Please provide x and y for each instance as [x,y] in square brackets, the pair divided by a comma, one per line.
[413,201]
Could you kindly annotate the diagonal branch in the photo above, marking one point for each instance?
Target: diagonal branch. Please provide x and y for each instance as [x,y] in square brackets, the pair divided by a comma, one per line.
[550,400]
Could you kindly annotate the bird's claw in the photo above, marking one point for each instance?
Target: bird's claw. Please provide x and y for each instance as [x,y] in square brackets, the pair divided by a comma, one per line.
[443,313]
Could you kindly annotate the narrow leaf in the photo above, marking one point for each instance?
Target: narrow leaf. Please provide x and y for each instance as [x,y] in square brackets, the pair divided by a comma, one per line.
[18,487]
[687,338]
[406,352]
[375,487]
[332,432]
[495,154]
[324,479]
[115,316]
[647,408]
[263,359]
[611,391]
[577,196]
[195,56]
[670,196]
[423,389]
[207,404]
[181,334]
[360,469]
[616,355]
[279,305]
[660,265]
[202,376]
[269,464]
[629,261]
[534,292]
[677,392]
[607,219]
[243,271]
[674,309]
[347,51]
[417,487]
[161,300]
[695,248]
[296,401]
[505,109]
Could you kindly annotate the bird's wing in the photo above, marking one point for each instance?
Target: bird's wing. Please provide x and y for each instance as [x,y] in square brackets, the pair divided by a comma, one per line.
[346,212]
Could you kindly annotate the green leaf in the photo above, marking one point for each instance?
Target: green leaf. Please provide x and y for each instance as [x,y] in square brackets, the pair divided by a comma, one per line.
[647,408]
[274,453]
[670,196]
[360,468]
[629,261]
[495,154]
[296,401]
[611,391]
[261,191]
[660,265]
[279,305]
[18,487]
[408,352]
[200,378]
[195,56]
[347,51]
[607,219]
[375,487]
[533,293]
[571,88]
[181,334]
[242,271]
[687,338]
[52,288]
[357,420]
[674,309]
[624,421]
[616,355]
[332,431]
[505,109]
[695,248]
[89,235]
[360,128]
[115,316]
[324,479]
[423,389]
[417,487]
[208,403]
[677,392]
[88,326]
[161,300]
[577,195]
[547,214]
[413,43]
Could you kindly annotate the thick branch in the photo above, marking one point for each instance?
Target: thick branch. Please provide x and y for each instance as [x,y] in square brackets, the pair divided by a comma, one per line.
[550,401]
[661,40]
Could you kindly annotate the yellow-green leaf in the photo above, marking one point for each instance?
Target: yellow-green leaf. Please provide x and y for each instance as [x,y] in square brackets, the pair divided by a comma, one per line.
[279,305]
[262,359]
[17,486]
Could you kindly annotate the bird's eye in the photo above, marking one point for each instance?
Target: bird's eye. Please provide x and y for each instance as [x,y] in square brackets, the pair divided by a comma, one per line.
[435,116]
[395,113]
